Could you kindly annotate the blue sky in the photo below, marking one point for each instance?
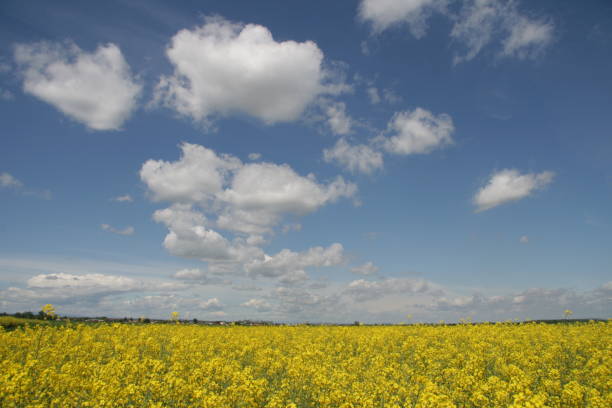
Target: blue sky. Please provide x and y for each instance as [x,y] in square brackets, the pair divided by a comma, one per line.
[319,162]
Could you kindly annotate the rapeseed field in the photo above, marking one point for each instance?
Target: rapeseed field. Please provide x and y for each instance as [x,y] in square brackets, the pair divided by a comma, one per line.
[179,365]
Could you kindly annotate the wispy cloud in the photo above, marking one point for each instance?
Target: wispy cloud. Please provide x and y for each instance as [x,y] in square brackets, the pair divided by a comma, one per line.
[125,231]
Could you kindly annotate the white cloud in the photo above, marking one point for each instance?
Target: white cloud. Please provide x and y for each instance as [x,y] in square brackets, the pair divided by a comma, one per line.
[355,158]
[69,288]
[367,268]
[386,13]
[189,237]
[254,156]
[293,278]
[196,177]
[477,24]
[482,21]
[190,274]
[249,198]
[124,199]
[363,290]
[223,67]
[8,181]
[297,302]
[96,89]
[87,281]
[534,303]
[212,305]
[125,231]
[210,192]
[524,239]
[258,304]
[390,96]
[527,37]
[199,276]
[338,121]
[509,185]
[291,265]
[373,95]
[419,131]
[261,193]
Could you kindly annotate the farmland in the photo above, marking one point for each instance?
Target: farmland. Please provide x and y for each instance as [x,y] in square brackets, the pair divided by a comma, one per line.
[181,365]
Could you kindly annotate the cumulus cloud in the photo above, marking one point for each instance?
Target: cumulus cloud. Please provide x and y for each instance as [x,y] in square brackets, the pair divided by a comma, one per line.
[247,198]
[367,268]
[261,192]
[290,265]
[363,290]
[222,67]
[355,158]
[387,13]
[96,89]
[125,231]
[417,132]
[189,237]
[254,156]
[8,181]
[196,177]
[222,210]
[124,199]
[337,119]
[509,185]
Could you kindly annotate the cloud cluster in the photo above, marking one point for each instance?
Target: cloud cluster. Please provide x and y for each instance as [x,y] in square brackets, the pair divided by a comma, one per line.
[358,158]
[289,262]
[477,24]
[209,192]
[246,198]
[201,276]
[481,21]
[509,185]
[408,132]
[363,290]
[534,303]
[96,89]
[223,67]
[418,132]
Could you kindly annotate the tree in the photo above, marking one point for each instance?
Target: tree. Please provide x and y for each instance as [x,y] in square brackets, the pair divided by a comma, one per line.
[49,311]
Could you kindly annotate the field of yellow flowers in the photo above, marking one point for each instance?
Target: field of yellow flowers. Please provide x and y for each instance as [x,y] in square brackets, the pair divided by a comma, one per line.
[179,365]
